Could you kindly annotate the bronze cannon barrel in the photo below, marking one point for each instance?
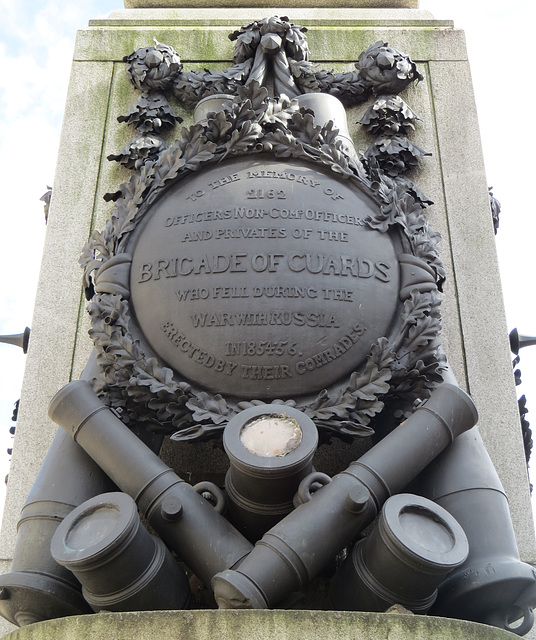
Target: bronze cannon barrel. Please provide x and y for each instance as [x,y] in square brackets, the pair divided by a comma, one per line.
[464,481]
[493,586]
[298,547]
[38,588]
[184,520]
[121,566]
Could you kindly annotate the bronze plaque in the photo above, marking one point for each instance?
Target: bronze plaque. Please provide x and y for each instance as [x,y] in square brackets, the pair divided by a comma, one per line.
[259,279]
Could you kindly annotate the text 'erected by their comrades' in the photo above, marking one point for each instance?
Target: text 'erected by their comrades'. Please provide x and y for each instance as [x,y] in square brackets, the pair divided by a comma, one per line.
[258,348]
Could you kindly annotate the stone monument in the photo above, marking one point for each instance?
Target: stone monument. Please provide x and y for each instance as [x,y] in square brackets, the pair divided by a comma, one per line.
[271,362]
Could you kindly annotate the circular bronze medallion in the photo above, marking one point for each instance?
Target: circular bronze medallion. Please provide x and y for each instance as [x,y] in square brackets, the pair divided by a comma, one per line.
[260,279]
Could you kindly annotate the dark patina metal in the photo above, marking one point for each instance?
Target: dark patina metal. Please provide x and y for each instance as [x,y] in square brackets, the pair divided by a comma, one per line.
[184,520]
[262,480]
[18,340]
[493,586]
[415,544]
[120,565]
[38,588]
[518,341]
[253,279]
[273,292]
[296,549]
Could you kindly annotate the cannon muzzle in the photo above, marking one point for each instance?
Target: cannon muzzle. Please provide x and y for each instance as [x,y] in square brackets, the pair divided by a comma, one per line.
[492,586]
[266,469]
[38,588]
[18,339]
[120,565]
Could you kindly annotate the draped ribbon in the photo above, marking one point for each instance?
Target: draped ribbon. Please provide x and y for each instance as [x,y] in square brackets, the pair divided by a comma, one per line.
[271,57]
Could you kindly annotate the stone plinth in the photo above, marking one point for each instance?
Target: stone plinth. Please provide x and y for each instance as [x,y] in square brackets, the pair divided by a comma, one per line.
[257,625]
[356,4]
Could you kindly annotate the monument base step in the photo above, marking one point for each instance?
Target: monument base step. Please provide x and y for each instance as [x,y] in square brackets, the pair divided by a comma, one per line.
[257,625]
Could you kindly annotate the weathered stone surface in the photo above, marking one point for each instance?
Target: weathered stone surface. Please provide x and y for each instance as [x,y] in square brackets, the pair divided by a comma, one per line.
[353,31]
[55,333]
[233,15]
[257,625]
[377,4]
[478,283]
[56,337]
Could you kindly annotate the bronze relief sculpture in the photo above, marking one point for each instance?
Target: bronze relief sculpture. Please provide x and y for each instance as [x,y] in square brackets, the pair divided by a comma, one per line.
[301,184]
[260,281]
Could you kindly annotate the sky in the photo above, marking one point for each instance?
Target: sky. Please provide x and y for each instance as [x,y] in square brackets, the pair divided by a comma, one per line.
[36,46]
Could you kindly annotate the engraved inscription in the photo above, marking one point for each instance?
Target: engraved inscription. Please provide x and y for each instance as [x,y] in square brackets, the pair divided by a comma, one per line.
[261,348]
[291,176]
[195,352]
[276,318]
[314,263]
[269,194]
[264,372]
[330,354]
[333,236]
[285,292]
[260,279]
[241,212]
[247,233]
[223,181]
[242,233]
[215,293]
